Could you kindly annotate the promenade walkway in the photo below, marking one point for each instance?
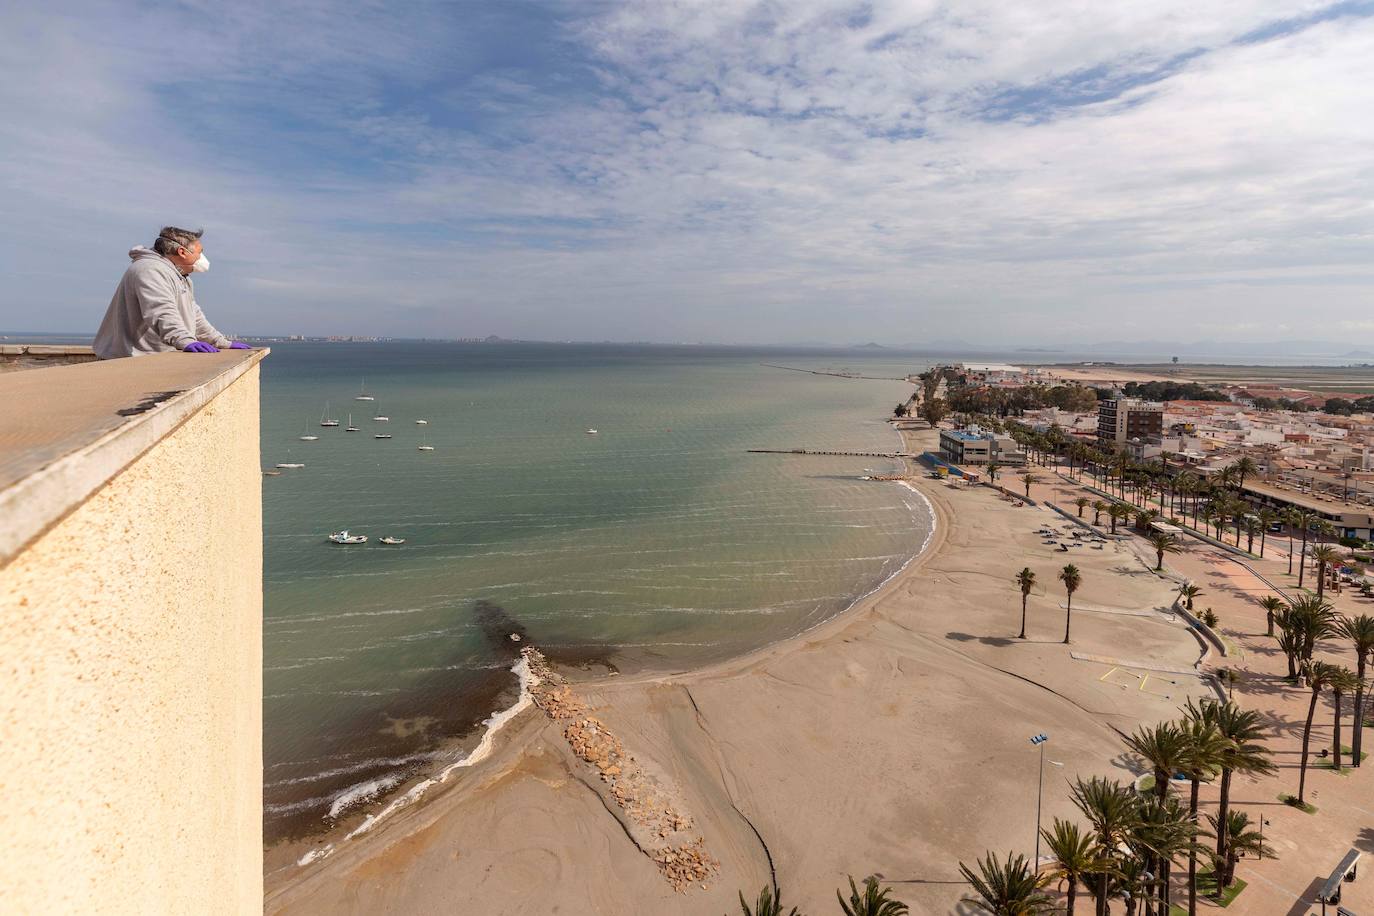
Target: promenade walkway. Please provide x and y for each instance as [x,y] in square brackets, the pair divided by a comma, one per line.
[1308,845]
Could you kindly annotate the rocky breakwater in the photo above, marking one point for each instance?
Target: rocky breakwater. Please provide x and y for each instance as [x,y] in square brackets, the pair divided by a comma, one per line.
[647,804]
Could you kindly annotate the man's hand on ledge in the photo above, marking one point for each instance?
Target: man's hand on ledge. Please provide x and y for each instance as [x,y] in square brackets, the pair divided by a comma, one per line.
[239,345]
[198,346]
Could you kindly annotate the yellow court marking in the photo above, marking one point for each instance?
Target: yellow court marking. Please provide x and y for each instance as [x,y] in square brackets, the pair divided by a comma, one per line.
[1143,680]
[1108,674]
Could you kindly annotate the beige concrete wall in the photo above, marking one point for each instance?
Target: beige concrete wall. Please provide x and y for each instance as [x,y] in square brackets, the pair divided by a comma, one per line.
[131,685]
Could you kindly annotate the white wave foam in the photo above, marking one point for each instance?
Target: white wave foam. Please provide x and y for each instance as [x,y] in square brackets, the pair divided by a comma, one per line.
[493,724]
[363,791]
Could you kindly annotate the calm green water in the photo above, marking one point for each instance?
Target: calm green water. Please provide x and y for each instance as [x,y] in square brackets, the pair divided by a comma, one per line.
[656,543]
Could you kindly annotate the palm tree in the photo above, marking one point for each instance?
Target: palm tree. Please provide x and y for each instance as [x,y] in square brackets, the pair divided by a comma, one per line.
[1360,631]
[1242,752]
[1028,478]
[1314,619]
[1305,521]
[1162,544]
[1342,681]
[768,904]
[1239,840]
[1252,528]
[1071,578]
[1267,517]
[1290,638]
[1011,889]
[1203,757]
[1272,604]
[872,902]
[1113,810]
[1082,503]
[1118,512]
[1026,580]
[1291,518]
[1163,747]
[1098,508]
[1188,593]
[1163,833]
[1324,556]
[993,468]
[1244,465]
[1319,674]
[1075,857]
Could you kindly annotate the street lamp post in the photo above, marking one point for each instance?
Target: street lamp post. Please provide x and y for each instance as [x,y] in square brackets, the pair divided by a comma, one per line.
[1039,741]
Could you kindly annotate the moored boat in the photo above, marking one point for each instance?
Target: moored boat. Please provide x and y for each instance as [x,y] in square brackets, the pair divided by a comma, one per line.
[343,537]
[391,540]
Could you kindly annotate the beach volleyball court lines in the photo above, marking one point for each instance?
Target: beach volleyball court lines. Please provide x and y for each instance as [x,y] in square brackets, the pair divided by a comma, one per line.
[1155,683]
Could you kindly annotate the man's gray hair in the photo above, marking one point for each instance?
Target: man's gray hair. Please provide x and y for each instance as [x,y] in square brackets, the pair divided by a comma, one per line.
[171,238]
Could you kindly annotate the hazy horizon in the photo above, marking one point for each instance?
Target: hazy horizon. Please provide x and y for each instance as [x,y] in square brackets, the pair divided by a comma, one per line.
[743,172]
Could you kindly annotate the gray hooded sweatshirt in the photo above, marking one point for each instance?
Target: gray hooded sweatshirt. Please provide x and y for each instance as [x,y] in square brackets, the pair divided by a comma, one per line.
[154,310]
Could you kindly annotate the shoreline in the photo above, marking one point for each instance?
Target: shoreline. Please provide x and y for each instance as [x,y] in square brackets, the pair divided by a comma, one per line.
[892,729]
[411,790]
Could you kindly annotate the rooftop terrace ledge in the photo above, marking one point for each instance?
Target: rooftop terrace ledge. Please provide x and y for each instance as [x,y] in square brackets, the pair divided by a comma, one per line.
[67,430]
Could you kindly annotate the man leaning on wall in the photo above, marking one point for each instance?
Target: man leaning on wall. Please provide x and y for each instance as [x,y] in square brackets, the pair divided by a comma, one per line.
[154,308]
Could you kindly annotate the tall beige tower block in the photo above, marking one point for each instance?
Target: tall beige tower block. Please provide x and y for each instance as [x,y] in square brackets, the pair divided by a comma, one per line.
[131,635]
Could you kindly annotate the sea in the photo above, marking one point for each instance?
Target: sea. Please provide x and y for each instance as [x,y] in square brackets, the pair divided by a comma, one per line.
[655,543]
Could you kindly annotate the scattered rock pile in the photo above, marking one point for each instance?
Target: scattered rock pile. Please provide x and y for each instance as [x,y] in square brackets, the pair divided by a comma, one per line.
[683,862]
[686,865]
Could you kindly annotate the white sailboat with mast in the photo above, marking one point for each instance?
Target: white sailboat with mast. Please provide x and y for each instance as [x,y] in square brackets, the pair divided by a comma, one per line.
[362,393]
[326,419]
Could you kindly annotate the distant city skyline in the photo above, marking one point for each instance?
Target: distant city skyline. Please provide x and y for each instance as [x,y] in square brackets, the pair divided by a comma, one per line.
[741,173]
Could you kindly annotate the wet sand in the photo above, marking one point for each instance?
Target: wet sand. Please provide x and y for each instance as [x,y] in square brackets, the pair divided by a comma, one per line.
[890,740]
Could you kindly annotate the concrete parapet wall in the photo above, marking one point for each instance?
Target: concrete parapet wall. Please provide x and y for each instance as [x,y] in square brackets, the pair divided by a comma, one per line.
[131,700]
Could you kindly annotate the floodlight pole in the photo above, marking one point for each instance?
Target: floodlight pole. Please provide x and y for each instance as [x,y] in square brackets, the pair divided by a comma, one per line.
[1039,741]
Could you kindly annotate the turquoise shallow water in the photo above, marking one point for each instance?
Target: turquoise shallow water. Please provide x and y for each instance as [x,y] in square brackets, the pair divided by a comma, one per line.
[657,543]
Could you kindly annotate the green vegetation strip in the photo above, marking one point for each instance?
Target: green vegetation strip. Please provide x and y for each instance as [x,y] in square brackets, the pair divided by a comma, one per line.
[1292,802]
[1206,886]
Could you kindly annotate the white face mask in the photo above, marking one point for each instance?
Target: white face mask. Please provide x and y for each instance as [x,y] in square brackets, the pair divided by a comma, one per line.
[202,264]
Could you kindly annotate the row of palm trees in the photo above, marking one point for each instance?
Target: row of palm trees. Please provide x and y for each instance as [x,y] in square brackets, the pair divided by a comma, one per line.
[871,901]
[1070,577]
[1215,501]
[1131,842]
[1300,624]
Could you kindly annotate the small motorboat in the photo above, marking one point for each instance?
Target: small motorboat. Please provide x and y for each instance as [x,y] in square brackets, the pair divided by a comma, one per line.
[343,537]
[381,419]
[421,422]
[362,394]
[271,473]
[382,436]
[391,540]
[290,465]
[591,432]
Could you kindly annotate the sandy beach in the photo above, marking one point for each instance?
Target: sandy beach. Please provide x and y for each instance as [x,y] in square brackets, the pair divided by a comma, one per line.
[891,740]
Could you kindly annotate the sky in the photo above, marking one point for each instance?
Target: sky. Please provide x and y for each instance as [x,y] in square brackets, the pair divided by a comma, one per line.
[897,171]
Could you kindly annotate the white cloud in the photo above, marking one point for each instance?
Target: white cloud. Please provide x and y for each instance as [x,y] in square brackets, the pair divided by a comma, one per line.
[747,171]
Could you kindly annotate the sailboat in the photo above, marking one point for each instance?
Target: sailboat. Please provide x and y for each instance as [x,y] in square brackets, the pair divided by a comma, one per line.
[307,437]
[350,428]
[362,393]
[326,419]
[424,445]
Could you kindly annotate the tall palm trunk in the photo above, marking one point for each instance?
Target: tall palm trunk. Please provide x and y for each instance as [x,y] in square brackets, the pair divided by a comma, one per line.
[1262,534]
[1192,850]
[1302,557]
[1073,894]
[1336,731]
[1357,741]
[1306,736]
[1068,617]
[1223,807]
[1023,616]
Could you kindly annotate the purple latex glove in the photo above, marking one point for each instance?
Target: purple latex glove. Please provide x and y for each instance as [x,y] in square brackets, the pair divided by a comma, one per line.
[200,347]
[239,345]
